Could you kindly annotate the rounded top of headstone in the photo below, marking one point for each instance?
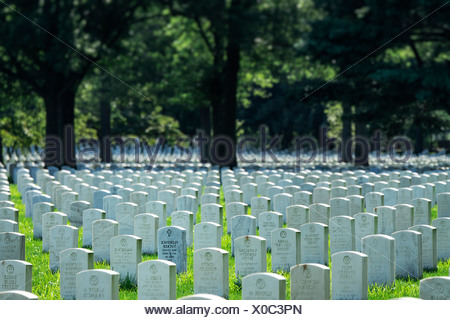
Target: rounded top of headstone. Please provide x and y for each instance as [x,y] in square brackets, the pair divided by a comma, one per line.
[202,296]
[17,295]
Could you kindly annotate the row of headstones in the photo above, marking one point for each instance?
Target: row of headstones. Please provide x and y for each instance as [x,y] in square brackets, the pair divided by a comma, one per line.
[339,207]
[299,214]
[348,247]
[64,195]
[14,274]
[309,238]
[235,205]
[157,279]
[290,185]
[76,209]
[9,218]
[285,245]
[345,232]
[405,215]
[11,242]
[126,157]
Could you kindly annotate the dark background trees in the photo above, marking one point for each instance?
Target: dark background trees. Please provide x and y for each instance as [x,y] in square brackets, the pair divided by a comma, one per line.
[173,67]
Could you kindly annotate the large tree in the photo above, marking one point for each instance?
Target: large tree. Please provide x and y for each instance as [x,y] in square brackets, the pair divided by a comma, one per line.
[393,56]
[21,117]
[51,45]
[242,38]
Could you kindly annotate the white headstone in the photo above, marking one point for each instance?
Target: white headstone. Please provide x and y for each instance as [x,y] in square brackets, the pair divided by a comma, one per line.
[146,227]
[390,196]
[242,225]
[319,212]
[373,200]
[443,204]
[157,280]
[349,276]
[89,216]
[303,198]
[314,243]
[212,212]
[286,249]
[404,196]
[67,197]
[404,216]
[422,211]
[61,238]
[365,224]
[259,205]
[381,252]
[339,192]
[185,219]
[158,208]
[125,213]
[297,215]
[15,275]
[339,207]
[281,202]
[269,221]
[250,255]
[39,209]
[102,232]
[97,285]
[126,254]
[429,249]
[387,219]
[342,234]
[9,226]
[76,212]
[73,261]
[310,281]
[264,286]
[99,195]
[169,198]
[442,226]
[207,235]
[211,271]
[7,213]
[356,204]
[234,209]
[435,288]
[172,246]
[408,254]
[50,220]
[321,195]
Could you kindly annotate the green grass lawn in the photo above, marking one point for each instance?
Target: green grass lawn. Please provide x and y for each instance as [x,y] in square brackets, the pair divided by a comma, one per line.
[46,283]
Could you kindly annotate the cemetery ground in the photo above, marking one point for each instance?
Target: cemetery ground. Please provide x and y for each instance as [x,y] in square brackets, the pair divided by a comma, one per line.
[46,284]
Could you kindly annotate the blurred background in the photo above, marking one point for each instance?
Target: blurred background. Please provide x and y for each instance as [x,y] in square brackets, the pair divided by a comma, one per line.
[140,68]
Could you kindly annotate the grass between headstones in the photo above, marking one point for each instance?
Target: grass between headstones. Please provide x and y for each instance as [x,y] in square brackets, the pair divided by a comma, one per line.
[46,283]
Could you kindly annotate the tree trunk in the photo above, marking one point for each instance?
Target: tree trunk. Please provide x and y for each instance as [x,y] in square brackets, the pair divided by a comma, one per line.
[105,131]
[60,141]
[361,155]
[1,149]
[228,108]
[419,139]
[205,123]
[216,106]
[346,151]
[224,110]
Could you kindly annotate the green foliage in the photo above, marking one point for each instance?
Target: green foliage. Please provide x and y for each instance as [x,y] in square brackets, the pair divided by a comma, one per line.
[394,70]
[22,117]
[167,64]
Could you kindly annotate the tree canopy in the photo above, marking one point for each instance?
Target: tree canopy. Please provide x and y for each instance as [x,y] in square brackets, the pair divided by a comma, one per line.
[173,67]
